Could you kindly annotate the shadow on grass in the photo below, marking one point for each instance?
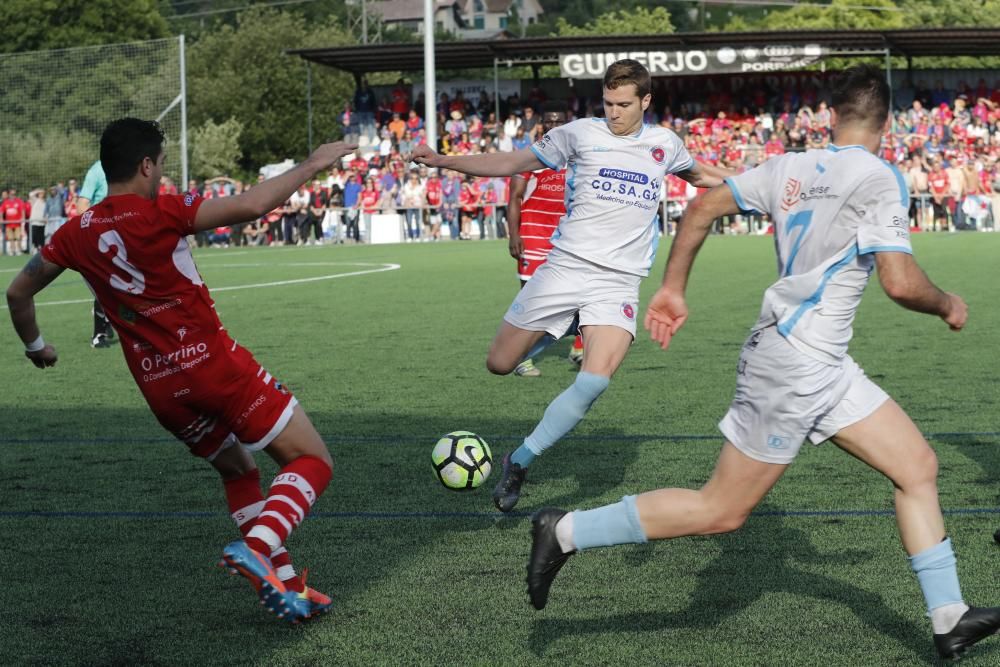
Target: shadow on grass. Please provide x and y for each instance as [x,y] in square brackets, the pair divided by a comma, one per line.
[156,539]
[758,560]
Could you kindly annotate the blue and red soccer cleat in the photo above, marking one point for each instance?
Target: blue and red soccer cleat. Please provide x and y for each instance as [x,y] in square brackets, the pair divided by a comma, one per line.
[257,569]
[310,602]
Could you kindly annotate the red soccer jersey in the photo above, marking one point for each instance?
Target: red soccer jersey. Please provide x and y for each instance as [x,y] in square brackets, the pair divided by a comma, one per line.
[133,252]
[939,182]
[14,210]
[434,191]
[468,198]
[542,206]
[369,201]
[676,188]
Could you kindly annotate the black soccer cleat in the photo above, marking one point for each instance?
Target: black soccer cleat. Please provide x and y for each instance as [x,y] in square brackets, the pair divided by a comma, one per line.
[508,490]
[976,624]
[547,558]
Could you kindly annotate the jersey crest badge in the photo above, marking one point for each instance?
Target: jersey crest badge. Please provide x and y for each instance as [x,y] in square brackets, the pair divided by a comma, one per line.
[628,310]
[188,199]
[791,194]
[659,155]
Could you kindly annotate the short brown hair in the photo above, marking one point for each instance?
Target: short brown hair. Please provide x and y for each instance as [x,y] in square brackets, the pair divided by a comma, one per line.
[861,96]
[624,72]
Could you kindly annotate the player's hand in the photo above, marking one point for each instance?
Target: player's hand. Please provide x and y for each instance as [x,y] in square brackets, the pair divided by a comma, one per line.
[44,357]
[958,312]
[516,246]
[328,155]
[423,154]
[666,314]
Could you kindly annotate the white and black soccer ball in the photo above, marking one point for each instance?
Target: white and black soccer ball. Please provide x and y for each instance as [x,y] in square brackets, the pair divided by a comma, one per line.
[462,460]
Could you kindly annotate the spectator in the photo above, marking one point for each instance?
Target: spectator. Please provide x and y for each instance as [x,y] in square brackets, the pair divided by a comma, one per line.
[295,214]
[36,219]
[352,198]
[414,122]
[333,226]
[397,126]
[400,99]
[531,124]
[413,199]
[434,190]
[315,213]
[15,212]
[521,139]
[369,202]
[55,207]
[451,189]
[511,124]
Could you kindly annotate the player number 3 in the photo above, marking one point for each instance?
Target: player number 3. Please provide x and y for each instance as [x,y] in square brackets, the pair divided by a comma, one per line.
[105,242]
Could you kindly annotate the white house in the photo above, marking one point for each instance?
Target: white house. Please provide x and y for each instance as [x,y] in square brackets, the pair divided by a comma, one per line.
[467,18]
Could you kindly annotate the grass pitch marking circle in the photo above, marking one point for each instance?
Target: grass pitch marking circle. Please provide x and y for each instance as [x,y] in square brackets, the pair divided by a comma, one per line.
[377,268]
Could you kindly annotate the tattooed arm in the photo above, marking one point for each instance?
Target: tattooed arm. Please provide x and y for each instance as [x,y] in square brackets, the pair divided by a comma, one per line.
[32,279]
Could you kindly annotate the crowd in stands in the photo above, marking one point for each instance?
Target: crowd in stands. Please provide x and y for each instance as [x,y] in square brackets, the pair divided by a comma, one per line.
[945,143]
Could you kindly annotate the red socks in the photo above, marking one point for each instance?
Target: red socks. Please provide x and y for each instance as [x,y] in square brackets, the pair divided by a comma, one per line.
[246,503]
[292,495]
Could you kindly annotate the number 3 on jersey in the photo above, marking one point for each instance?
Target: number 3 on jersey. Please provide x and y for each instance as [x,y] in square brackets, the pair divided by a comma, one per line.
[111,239]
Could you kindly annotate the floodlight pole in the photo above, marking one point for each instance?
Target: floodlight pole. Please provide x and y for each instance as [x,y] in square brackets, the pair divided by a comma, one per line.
[496,91]
[430,91]
[184,116]
[309,104]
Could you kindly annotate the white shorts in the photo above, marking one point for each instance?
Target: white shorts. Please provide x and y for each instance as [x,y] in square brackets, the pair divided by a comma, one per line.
[784,396]
[566,285]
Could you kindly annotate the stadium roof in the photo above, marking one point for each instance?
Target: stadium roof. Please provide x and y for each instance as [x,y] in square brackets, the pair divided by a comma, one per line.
[481,53]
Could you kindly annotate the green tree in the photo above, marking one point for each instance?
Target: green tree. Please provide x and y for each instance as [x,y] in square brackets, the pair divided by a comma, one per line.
[637,21]
[35,25]
[215,148]
[838,15]
[953,14]
[243,73]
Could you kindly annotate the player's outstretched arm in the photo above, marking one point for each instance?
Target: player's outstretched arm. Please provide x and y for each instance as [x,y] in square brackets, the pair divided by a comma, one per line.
[267,196]
[667,310]
[703,175]
[32,279]
[906,283]
[485,164]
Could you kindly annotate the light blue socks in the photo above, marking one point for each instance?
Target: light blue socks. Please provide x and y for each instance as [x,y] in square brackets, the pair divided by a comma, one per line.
[938,577]
[608,525]
[563,413]
[540,346]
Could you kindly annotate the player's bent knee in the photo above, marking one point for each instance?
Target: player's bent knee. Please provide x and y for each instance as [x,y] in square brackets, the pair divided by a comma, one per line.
[500,366]
[921,470]
[727,522]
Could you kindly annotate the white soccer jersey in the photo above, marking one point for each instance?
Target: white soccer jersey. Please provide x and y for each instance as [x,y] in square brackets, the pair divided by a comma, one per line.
[832,209]
[612,190]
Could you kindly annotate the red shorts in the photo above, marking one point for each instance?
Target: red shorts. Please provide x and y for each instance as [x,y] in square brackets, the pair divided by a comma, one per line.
[233,396]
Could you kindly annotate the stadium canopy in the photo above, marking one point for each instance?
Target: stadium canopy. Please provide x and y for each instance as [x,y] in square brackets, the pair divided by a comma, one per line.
[359,60]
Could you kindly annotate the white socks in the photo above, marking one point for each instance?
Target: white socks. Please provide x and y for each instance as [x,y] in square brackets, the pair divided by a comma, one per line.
[564,533]
[943,619]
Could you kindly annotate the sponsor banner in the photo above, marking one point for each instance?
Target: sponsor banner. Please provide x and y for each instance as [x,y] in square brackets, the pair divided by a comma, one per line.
[727,60]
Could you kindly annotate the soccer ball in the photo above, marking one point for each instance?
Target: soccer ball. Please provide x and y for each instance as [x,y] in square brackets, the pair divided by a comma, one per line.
[462,460]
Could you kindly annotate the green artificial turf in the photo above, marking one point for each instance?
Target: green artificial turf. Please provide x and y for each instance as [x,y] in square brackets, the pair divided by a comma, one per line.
[111,530]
